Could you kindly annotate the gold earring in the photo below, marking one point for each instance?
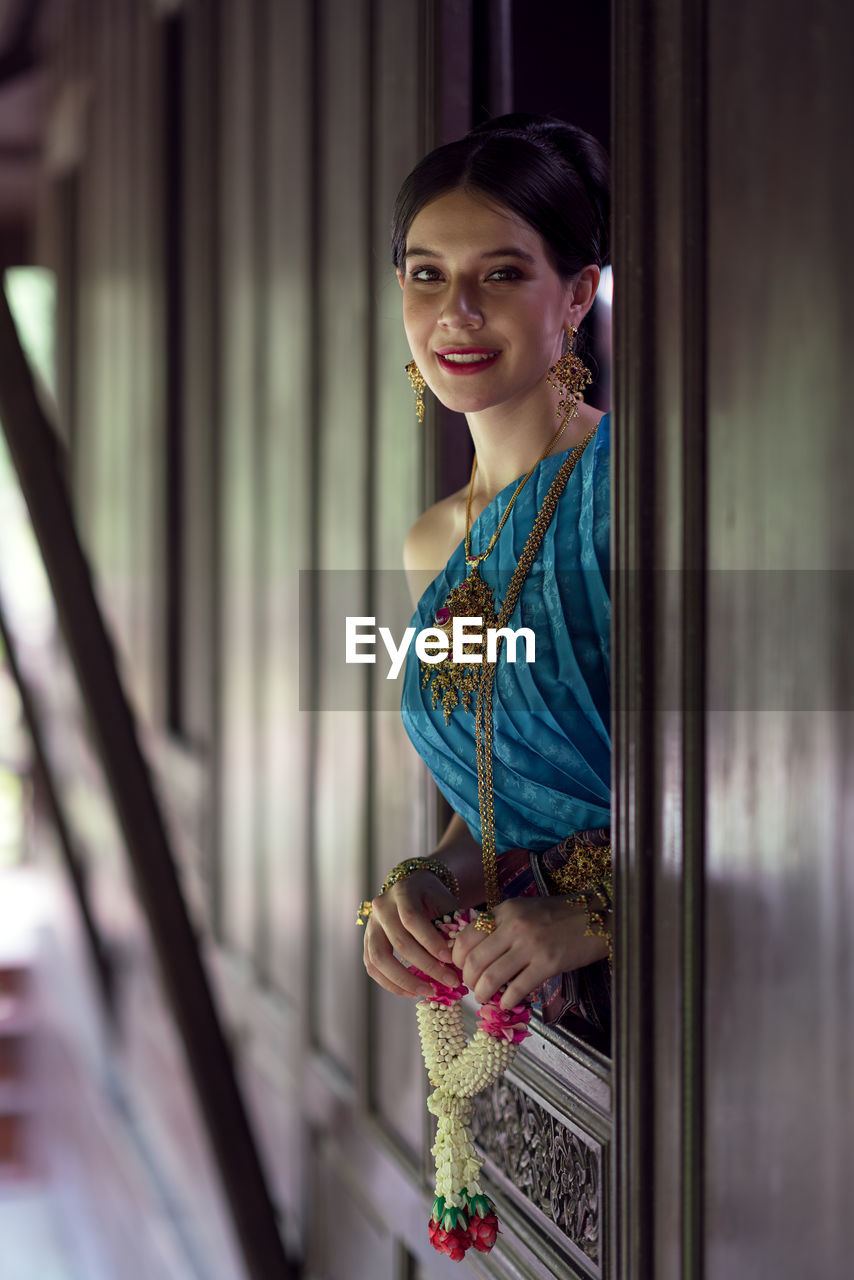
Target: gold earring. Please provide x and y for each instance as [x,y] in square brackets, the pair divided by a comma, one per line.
[569,376]
[416,379]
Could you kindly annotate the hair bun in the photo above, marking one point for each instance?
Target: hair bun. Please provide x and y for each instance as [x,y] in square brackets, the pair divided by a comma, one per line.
[551,174]
[573,145]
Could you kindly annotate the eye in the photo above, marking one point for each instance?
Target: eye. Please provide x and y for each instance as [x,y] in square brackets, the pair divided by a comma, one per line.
[425,275]
[505,273]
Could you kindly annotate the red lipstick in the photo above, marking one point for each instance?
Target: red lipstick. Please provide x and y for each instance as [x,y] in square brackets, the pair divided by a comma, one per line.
[465,360]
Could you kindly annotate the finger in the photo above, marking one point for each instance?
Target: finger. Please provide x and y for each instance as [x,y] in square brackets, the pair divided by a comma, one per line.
[416,955]
[382,965]
[504,970]
[482,954]
[522,986]
[414,914]
[421,927]
[401,991]
[395,977]
[467,939]
[464,943]
[423,946]
[477,964]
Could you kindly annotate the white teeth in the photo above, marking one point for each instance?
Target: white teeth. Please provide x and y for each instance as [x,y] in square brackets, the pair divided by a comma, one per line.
[457,357]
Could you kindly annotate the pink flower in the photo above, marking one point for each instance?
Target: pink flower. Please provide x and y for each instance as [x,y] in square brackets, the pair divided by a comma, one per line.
[483,1232]
[441,994]
[454,1243]
[505,1024]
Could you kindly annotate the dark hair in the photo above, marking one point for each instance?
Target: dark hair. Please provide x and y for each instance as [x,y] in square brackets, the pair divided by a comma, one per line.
[553,175]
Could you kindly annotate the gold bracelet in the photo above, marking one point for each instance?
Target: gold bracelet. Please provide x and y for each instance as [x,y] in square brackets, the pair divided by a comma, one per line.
[588,877]
[595,916]
[410,865]
[407,868]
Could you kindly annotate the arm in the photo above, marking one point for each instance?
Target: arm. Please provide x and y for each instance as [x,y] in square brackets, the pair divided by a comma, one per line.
[462,854]
[537,937]
[401,919]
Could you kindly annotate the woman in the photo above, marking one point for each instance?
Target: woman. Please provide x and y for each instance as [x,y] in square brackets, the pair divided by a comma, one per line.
[498,241]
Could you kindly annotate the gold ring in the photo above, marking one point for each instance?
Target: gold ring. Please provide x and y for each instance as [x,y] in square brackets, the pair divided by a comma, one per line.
[364,911]
[485,922]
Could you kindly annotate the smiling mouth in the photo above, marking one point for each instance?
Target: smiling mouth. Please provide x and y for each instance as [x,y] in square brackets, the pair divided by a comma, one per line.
[468,361]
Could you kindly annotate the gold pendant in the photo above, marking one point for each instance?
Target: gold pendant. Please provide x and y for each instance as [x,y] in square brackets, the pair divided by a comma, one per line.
[455,683]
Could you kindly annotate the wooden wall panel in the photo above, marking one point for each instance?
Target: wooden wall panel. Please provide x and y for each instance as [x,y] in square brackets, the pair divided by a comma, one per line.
[361,1247]
[733,751]
[238,484]
[119,385]
[401,807]
[76,64]
[148,366]
[658,533]
[289,409]
[112,434]
[200,401]
[119,428]
[344,352]
[89,472]
[780,1037]
[108,480]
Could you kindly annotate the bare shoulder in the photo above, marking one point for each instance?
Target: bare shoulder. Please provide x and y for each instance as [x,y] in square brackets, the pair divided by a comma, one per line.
[431,540]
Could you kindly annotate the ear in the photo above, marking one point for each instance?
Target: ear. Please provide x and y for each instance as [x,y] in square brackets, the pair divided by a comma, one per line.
[399,275]
[580,294]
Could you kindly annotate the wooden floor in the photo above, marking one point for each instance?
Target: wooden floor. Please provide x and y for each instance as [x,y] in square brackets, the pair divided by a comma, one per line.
[36,1244]
[73,1181]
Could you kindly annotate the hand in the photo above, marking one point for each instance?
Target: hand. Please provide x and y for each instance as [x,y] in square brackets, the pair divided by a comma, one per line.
[534,939]
[401,921]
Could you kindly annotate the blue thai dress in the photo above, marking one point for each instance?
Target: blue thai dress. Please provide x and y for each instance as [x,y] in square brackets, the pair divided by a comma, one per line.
[551,733]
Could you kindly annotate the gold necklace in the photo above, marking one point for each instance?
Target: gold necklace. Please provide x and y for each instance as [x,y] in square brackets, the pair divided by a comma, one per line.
[471,560]
[483,708]
[456,683]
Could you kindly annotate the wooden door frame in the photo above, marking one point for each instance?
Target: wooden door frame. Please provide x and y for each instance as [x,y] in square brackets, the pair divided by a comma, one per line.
[659,146]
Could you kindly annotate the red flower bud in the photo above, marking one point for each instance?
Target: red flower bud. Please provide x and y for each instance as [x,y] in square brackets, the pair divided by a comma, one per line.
[483,1232]
[453,1243]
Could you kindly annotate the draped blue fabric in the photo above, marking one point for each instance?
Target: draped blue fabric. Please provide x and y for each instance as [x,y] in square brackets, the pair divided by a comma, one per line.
[551,733]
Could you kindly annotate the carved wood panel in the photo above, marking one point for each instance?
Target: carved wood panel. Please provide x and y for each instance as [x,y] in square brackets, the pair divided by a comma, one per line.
[552,1165]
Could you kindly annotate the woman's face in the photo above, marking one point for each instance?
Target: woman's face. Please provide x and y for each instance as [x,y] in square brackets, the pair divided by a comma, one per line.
[483,308]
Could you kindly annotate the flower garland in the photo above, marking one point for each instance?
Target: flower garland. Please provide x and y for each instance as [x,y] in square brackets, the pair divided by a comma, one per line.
[458,1070]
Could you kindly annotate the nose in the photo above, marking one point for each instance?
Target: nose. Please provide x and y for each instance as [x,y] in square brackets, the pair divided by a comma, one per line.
[461,309]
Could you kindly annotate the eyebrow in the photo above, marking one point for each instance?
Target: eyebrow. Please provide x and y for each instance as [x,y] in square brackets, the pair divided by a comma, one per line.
[509,252]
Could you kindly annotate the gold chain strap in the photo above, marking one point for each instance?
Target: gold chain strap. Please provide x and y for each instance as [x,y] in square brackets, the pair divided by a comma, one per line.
[483,707]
